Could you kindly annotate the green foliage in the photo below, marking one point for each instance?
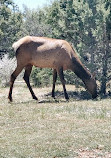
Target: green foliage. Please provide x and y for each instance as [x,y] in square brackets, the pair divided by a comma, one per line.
[34,23]
[86,25]
[10,26]
[41,77]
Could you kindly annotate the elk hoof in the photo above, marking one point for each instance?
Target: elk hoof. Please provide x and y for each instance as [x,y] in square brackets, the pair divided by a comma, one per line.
[10,98]
[53,96]
[66,97]
[34,97]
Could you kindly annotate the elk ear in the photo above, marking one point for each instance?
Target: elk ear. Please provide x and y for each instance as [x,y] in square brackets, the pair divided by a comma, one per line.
[94,75]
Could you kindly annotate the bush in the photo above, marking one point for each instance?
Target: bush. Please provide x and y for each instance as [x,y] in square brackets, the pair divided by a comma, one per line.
[7,66]
[43,77]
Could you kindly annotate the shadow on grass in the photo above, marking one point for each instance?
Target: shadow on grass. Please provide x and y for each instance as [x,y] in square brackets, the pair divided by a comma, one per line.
[15,102]
[75,95]
[59,97]
[79,95]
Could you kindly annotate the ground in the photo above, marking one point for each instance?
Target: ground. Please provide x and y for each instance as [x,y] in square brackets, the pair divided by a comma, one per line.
[48,128]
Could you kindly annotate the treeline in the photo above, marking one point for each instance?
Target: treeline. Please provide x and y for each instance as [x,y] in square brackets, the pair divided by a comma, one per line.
[85,24]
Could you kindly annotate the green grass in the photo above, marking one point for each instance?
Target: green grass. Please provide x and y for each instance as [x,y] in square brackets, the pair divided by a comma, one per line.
[53,128]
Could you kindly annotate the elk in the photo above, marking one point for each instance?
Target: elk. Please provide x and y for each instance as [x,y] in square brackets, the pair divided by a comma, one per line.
[46,52]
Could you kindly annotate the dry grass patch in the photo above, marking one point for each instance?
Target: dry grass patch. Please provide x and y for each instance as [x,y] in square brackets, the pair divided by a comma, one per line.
[53,128]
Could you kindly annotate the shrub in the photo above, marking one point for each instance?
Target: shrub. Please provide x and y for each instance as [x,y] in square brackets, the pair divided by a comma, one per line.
[7,66]
[41,77]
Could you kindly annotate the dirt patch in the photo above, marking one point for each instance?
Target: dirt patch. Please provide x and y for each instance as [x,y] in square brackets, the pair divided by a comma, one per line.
[96,153]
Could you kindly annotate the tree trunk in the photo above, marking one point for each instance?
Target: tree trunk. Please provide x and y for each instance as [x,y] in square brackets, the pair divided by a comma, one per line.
[104,77]
[104,60]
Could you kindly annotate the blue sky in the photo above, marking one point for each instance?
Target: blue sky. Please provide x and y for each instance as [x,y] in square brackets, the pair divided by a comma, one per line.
[32,4]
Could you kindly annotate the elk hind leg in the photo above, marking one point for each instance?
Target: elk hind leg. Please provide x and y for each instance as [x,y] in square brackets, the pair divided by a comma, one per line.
[28,70]
[12,80]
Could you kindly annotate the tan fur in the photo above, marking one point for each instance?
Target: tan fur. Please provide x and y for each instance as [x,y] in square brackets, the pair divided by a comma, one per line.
[45,52]
[17,44]
[51,53]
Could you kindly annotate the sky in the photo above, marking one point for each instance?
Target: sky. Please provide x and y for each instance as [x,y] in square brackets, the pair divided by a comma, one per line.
[32,4]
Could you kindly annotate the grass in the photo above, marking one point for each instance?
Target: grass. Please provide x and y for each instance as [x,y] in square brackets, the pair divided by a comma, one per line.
[53,128]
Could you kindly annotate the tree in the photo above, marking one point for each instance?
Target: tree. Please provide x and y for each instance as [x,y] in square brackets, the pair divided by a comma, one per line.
[10,24]
[87,26]
[34,23]
[101,34]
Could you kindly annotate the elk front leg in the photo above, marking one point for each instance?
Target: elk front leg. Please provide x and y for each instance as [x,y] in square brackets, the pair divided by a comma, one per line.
[61,75]
[54,81]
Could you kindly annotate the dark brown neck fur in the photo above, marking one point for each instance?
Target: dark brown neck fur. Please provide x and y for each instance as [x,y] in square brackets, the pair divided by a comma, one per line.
[80,70]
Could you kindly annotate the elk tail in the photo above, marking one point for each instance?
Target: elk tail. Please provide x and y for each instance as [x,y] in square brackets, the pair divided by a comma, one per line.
[17,44]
